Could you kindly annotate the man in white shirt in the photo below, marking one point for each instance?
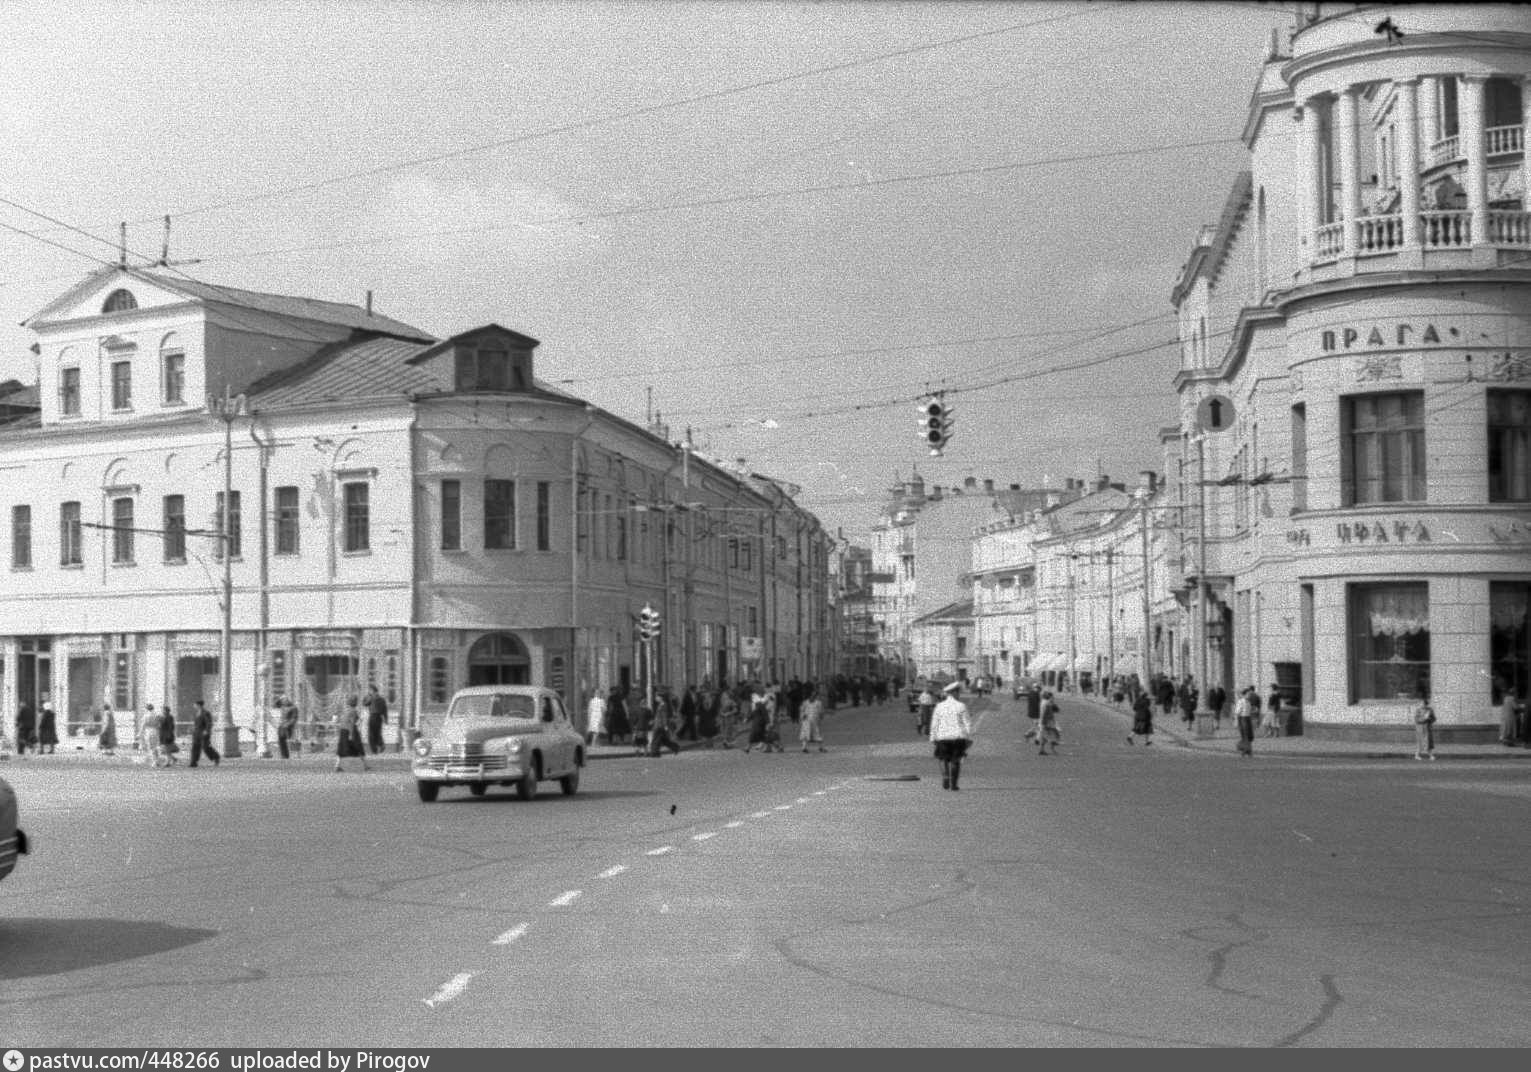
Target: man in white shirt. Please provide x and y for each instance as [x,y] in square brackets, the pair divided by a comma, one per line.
[951,730]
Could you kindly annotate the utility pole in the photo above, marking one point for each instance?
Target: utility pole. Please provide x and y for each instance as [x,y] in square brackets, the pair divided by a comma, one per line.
[226,408]
[1203,716]
[1145,666]
[1110,617]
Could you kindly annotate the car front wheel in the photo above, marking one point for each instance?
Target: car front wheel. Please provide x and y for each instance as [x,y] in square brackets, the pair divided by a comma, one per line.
[526,785]
[428,791]
[569,783]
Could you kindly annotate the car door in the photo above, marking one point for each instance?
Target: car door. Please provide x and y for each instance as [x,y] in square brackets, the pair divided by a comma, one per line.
[555,741]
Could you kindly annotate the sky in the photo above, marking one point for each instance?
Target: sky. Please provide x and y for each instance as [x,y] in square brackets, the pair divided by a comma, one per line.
[777,225]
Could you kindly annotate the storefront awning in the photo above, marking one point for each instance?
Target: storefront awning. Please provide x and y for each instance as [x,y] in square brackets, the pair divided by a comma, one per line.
[1052,660]
[1084,662]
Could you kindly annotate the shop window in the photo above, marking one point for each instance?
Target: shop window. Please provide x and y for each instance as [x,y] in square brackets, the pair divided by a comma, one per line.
[1509,446]
[1509,604]
[1389,631]
[1383,443]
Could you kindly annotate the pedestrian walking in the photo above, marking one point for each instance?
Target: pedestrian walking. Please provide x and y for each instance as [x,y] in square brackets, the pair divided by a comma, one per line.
[47,730]
[377,715]
[728,717]
[348,741]
[1273,713]
[707,716]
[1424,725]
[1509,718]
[1187,695]
[167,734]
[595,717]
[924,704]
[107,740]
[810,721]
[287,725]
[951,732]
[1244,713]
[618,724]
[202,736]
[760,721]
[149,736]
[1048,732]
[26,728]
[1142,720]
[1217,699]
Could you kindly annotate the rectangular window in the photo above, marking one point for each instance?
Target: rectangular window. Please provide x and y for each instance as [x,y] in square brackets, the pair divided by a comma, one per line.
[173,375]
[451,515]
[278,660]
[286,510]
[123,697]
[1389,640]
[21,537]
[122,385]
[1509,446]
[358,520]
[69,534]
[1299,457]
[487,369]
[122,531]
[231,535]
[438,680]
[1383,442]
[747,555]
[69,392]
[174,524]
[1509,614]
[499,514]
[544,516]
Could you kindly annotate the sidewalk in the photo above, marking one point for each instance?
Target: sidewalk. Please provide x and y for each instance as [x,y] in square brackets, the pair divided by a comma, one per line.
[1171,729]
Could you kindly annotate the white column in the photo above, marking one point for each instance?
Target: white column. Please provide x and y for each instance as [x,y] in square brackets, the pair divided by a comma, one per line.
[1408,159]
[1525,143]
[1313,152]
[1470,123]
[1429,116]
[1350,167]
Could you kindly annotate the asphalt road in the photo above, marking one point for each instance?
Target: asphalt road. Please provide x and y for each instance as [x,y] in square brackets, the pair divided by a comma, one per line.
[1111,895]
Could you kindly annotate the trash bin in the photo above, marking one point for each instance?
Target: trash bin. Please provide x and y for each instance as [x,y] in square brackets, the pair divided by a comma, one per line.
[1034,704]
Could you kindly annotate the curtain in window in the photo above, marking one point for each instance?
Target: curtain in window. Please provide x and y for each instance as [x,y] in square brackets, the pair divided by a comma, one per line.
[1396,612]
[1508,605]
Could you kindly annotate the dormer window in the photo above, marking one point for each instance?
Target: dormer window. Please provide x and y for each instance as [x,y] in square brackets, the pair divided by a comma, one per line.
[69,391]
[119,301]
[490,368]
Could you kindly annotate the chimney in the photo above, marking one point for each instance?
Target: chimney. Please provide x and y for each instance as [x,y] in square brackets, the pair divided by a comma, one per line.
[1103,482]
[1150,480]
[988,485]
[1015,487]
[970,483]
[369,303]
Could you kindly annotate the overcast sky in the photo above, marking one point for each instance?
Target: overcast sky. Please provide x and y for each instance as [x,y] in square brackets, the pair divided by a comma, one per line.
[787,219]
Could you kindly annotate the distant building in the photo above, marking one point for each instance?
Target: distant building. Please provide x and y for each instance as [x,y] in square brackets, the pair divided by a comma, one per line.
[1354,446]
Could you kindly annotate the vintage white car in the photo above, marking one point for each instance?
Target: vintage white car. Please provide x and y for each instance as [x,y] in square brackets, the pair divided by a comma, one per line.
[501,735]
[12,841]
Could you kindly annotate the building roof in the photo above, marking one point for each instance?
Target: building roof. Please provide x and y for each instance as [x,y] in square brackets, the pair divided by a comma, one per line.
[961,609]
[325,312]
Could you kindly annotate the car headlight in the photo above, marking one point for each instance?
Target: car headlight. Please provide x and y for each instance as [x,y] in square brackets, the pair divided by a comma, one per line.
[516,747]
[422,747]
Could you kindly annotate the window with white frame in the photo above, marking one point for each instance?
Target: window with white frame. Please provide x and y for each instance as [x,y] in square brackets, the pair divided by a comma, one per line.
[285,509]
[172,365]
[21,537]
[1389,640]
[174,525]
[1509,446]
[122,531]
[1382,440]
[358,520]
[69,549]
[122,383]
[69,391]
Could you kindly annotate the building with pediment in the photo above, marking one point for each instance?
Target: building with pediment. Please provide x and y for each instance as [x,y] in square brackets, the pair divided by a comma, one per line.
[387,507]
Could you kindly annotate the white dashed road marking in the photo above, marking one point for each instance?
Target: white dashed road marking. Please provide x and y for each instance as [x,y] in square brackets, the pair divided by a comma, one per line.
[661,850]
[759,814]
[615,870]
[563,900]
[733,825]
[511,935]
[784,807]
[801,800]
[449,989]
[704,837]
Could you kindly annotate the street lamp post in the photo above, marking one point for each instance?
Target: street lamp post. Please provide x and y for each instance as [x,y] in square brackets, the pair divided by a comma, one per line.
[226,409]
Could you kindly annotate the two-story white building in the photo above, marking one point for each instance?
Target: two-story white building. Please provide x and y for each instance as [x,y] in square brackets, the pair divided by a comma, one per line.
[384,506]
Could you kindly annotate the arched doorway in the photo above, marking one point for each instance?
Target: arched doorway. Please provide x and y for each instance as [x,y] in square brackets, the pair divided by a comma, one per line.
[499,659]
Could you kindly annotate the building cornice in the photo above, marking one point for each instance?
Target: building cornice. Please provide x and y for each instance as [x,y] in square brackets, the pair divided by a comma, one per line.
[1250,318]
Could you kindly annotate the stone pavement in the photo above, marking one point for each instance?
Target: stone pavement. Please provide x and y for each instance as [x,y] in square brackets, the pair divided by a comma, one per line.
[1302,746]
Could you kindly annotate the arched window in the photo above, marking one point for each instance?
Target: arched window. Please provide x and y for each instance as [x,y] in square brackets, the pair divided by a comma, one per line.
[172,365]
[118,301]
[498,659]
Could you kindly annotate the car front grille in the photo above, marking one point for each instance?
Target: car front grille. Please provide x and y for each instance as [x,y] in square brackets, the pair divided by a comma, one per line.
[465,760]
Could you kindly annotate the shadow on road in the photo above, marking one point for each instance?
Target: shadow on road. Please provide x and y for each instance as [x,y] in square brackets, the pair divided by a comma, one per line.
[507,797]
[36,946]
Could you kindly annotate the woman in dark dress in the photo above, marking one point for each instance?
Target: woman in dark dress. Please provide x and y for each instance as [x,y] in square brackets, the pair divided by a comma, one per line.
[1142,719]
[167,733]
[618,725]
[47,730]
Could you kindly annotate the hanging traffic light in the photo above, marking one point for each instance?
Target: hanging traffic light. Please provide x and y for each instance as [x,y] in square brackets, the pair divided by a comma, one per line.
[935,424]
[648,623]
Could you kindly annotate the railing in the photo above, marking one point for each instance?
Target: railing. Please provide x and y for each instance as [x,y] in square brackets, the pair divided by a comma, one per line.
[1446,230]
[1379,234]
[1509,228]
[1501,140]
[1446,150]
[1330,240]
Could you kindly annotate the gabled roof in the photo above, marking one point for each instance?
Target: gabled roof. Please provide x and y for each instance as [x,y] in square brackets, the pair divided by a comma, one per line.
[339,313]
[962,608]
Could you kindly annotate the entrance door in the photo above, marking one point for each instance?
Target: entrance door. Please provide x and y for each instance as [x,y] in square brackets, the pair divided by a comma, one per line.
[498,659]
[196,678]
[84,696]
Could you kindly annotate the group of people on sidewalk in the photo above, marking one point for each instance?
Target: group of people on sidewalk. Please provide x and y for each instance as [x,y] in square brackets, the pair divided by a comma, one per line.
[708,716]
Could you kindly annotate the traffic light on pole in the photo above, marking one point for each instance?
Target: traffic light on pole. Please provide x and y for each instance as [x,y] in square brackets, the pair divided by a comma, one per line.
[648,623]
[935,424]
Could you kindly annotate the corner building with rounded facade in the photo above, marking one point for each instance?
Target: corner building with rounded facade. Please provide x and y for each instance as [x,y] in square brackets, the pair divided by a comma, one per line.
[411,512]
[1354,456]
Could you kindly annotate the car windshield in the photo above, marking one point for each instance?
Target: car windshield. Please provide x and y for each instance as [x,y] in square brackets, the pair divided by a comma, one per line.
[494,705]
